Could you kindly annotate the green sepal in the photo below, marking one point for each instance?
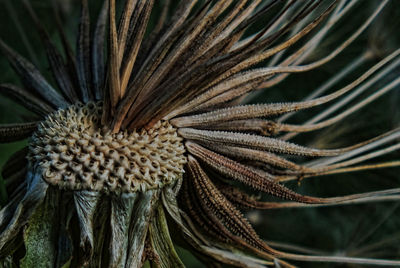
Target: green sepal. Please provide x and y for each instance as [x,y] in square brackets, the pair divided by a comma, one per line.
[40,236]
[161,242]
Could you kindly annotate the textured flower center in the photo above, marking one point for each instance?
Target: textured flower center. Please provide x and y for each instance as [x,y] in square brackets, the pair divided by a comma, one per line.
[75,152]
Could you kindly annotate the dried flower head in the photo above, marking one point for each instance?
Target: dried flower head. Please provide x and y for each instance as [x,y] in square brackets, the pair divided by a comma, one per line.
[75,152]
[147,133]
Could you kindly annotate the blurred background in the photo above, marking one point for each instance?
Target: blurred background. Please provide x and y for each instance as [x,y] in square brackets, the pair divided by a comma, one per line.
[367,230]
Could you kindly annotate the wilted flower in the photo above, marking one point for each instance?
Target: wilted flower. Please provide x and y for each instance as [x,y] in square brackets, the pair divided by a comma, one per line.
[146,134]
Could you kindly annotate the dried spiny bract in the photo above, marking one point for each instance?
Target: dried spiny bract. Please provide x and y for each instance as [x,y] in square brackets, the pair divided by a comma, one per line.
[76,153]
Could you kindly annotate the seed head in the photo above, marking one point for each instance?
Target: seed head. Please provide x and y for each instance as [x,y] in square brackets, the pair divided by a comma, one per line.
[75,152]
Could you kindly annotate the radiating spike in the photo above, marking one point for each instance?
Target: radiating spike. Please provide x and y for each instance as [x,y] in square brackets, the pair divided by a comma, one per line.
[16,132]
[137,37]
[312,258]
[174,56]
[258,126]
[226,214]
[170,203]
[98,50]
[311,127]
[203,44]
[191,202]
[255,142]
[357,62]
[330,169]
[340,48]
[384,72]
[192,236]
[26,99]
[244,200]
[151,41]
[83,54]
[246,175]
[179,89]
[331,55]
[365,146]
[58,68]
[154,58]
[32,78]
[261,110]
[241,199]
[68,51]
[162,20]
[245,13]
[125,23]
[337,170]
[260,56]
[261,156]
[114,74]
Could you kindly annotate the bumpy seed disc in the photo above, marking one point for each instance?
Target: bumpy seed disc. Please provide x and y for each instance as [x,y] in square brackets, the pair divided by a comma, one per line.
[75,152]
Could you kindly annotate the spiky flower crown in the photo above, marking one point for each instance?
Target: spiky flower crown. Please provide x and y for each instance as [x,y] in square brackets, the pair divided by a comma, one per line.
[149,127]
[75,153]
